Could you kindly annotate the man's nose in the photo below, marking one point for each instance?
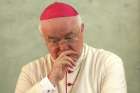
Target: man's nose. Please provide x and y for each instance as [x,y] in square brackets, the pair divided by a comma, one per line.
[63,45]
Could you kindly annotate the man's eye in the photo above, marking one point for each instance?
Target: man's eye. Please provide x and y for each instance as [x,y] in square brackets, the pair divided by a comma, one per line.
[53,40]
[68,38]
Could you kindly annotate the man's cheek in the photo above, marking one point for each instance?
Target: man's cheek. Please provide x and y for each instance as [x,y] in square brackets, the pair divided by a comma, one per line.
[53,52]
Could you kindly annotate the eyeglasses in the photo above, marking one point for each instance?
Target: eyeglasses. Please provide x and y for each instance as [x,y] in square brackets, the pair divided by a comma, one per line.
[69,38]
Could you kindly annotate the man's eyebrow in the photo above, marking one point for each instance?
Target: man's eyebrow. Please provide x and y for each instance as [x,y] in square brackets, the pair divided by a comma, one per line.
[51,37]
[70,33]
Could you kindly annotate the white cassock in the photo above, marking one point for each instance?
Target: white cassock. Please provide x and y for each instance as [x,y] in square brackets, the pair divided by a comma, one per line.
[97,71]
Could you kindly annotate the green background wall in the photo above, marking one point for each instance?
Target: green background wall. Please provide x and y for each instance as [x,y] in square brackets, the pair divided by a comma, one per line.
[110,24]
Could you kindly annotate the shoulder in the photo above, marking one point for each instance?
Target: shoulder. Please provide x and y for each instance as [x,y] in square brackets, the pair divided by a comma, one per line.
[36,70]
[108,61]
[109,57]
[35,65]
[104,57]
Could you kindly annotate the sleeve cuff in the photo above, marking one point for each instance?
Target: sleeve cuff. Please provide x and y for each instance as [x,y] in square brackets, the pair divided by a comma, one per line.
[47,86]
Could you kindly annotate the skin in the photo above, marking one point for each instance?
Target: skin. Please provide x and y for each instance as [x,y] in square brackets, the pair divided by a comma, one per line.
[64,40]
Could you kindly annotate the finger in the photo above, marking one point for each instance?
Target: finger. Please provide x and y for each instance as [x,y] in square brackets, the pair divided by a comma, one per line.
[67,64]
[70,60]
[70,65]
[67,53]
[68,69]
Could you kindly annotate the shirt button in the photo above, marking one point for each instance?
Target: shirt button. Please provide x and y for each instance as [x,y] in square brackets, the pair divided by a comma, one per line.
[48,91]
[69,84]
[70,71]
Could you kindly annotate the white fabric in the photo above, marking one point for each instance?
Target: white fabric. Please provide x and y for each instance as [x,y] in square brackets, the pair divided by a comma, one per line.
[47,86]
[100,72]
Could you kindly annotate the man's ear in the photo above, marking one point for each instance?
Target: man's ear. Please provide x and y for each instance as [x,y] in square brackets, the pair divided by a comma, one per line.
[41,34]
[39,28]
[82,27]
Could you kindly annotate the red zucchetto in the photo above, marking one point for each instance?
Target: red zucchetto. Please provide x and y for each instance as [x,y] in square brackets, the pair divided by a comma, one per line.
[58,9]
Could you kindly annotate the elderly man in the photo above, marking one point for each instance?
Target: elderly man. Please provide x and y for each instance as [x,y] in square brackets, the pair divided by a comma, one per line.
[71,66]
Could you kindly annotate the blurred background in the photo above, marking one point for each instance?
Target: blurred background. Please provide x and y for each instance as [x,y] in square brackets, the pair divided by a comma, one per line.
[110,24]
